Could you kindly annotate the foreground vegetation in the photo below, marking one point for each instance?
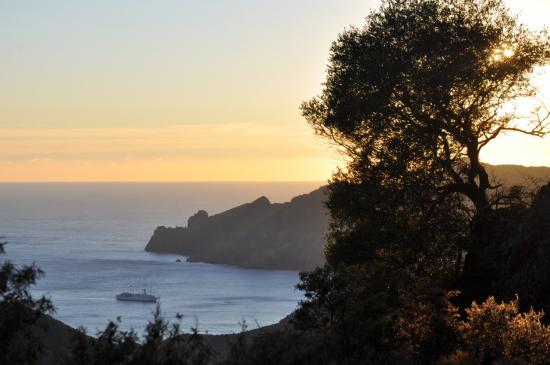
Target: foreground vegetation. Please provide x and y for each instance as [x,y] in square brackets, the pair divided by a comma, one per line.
[421,333]
[429,260]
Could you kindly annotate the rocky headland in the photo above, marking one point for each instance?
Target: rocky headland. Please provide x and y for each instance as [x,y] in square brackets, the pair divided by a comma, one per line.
[280,236]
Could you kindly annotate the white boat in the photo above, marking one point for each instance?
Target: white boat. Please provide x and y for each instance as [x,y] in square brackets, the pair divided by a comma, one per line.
[142,296]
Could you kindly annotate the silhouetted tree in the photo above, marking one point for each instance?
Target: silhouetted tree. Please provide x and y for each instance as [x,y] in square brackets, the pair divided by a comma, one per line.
[19,313]
[80,351]
[412,98]
[351,313]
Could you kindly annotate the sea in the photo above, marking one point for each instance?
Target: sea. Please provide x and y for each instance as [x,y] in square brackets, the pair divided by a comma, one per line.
[89,239]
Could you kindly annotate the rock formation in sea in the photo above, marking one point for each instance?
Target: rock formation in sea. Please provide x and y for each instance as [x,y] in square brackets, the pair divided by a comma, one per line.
[286,236]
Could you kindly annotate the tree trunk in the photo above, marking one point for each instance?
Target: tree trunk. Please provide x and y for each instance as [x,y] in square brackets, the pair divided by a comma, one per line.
[479,267]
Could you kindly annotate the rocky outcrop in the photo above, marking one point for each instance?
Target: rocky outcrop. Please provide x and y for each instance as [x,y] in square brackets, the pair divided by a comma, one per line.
[287,236]
[198,220]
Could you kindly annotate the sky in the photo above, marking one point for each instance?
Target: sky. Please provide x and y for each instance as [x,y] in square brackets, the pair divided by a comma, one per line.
[140,90]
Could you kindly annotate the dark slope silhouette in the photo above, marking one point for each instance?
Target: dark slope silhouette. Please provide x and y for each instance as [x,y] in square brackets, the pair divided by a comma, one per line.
[286,236]
[518,254]
[58,339]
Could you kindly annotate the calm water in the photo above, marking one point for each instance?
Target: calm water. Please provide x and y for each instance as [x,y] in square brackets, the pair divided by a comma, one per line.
[89,238]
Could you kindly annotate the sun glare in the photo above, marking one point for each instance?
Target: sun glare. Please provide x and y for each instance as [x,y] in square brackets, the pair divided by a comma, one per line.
[508,52]
[502,53]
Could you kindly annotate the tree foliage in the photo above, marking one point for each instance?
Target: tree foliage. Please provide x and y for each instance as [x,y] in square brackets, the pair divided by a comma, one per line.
[424,86]
[495,332]
[413,97]
[162,344]
[19,313]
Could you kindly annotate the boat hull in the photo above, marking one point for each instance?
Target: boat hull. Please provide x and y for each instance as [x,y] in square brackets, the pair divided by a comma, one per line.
[137,298]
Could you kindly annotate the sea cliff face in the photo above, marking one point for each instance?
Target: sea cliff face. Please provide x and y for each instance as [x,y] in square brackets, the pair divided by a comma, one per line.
[287,236]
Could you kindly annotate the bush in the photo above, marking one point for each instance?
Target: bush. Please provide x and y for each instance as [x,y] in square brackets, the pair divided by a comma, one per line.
[498,332]
[163,344]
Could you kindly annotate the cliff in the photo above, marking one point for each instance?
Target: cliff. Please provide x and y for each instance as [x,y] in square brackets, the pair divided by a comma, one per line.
[287,236]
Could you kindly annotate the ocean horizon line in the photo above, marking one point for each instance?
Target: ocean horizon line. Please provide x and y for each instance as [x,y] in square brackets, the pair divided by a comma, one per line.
[163,182]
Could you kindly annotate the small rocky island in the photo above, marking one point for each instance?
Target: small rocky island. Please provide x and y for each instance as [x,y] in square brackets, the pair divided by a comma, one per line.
[261,235]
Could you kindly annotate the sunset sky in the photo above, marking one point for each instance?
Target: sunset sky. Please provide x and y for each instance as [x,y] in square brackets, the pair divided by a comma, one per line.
[135,90]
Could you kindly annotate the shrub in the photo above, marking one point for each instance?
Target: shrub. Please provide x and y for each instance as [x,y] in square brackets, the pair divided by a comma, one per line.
[497,332]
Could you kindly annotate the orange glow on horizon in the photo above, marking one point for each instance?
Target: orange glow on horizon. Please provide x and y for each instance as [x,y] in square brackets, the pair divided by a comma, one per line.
[196,152]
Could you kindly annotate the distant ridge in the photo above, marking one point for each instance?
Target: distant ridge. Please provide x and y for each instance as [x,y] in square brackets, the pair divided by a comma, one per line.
[517,174]
[288,236]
